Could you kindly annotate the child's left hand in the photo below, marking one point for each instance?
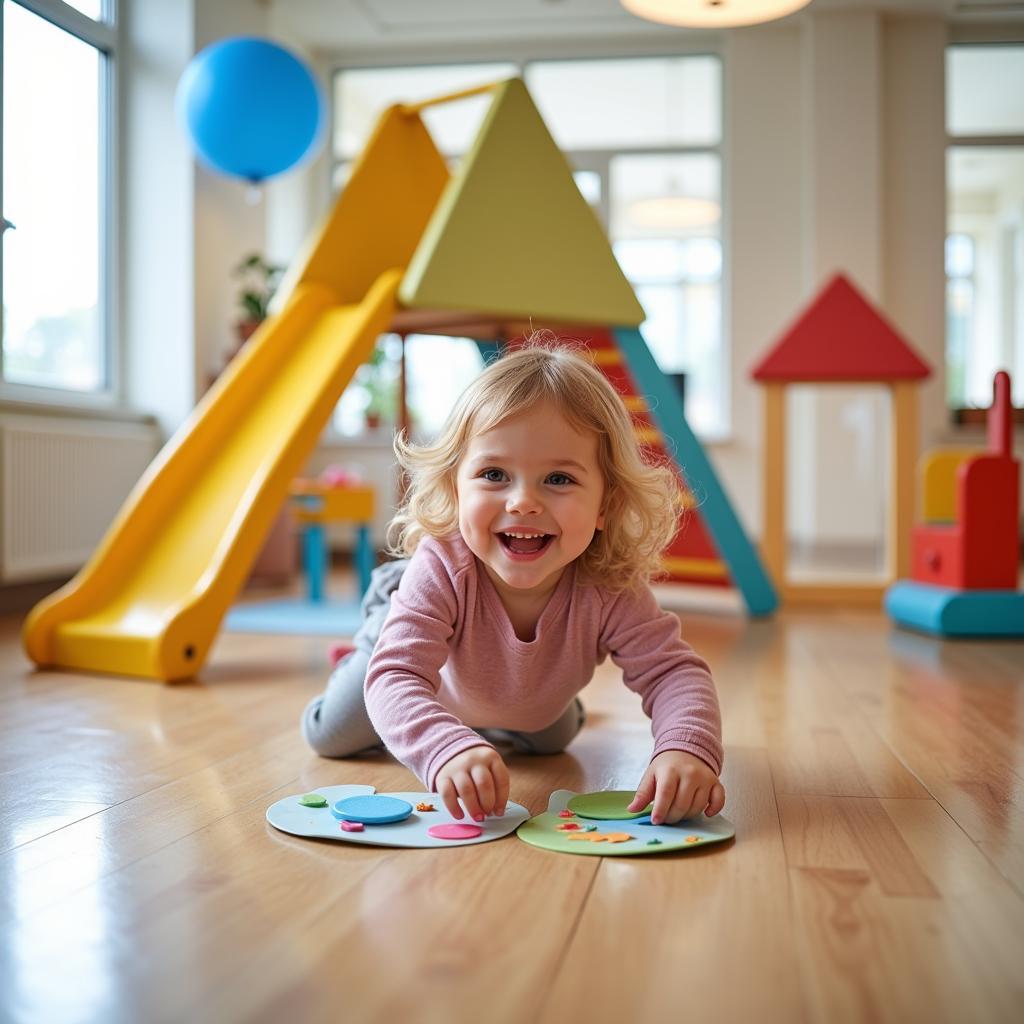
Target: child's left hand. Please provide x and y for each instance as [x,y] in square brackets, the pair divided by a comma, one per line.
[681,786]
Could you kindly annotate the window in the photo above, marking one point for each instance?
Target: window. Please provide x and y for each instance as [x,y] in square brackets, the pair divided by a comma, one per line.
[643,135]
[984,222]
[56,258]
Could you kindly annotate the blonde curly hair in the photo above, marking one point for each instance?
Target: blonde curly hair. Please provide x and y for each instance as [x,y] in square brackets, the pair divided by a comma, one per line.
[641,491]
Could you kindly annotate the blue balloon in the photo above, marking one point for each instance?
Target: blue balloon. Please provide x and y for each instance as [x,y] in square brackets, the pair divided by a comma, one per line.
[251,108]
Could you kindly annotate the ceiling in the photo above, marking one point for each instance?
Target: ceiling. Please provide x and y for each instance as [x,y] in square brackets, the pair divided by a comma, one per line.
[349,27]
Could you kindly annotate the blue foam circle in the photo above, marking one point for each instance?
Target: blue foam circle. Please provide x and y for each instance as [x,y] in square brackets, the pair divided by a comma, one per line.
[372,810]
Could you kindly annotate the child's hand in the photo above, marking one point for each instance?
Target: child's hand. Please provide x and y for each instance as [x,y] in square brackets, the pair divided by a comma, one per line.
[681,786]
[479,777]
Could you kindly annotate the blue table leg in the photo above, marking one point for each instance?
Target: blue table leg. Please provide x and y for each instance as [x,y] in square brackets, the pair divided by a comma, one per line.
[364,558]
[314,549]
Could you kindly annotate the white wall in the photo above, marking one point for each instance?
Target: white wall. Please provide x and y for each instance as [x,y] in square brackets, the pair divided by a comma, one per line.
[184,227]
[229,225]
[914,195]
[763,232]
[157,243]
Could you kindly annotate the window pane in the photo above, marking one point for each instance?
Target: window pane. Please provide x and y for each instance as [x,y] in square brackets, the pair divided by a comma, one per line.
[683,331]
[984,324]
[985,90]
[959,256]
[959,314]
[438,370]
[90,8]
[589,184]
[362,94]
[672,255]
[612,104]
[666,196]
[370,402]
[51,191]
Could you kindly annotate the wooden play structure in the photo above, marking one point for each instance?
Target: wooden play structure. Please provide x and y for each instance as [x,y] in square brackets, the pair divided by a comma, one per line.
[840,338]
[966,553]
[505,243]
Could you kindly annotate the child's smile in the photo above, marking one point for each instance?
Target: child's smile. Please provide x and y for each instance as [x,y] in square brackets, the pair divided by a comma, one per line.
[524,546]
[530,494]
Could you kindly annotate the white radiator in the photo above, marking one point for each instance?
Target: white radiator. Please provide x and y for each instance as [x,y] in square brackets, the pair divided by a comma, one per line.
[61,483]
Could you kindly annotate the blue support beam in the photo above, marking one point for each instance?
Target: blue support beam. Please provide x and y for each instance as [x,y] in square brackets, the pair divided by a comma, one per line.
[745,567]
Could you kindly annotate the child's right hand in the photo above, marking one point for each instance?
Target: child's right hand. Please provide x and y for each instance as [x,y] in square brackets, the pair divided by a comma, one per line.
[479,778]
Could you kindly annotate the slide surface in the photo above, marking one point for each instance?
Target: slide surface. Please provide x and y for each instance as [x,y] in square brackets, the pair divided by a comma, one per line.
[151,599]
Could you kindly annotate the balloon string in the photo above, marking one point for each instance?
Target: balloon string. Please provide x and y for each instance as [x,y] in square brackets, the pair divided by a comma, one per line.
[254,194]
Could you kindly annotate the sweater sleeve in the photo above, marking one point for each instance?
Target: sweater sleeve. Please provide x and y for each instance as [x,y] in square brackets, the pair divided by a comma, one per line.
[403,677]
[674,683]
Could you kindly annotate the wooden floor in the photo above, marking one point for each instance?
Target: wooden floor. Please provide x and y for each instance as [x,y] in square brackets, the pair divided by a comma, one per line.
[875,779]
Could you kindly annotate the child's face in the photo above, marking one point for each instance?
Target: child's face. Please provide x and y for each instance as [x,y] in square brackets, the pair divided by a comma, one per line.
[532,474]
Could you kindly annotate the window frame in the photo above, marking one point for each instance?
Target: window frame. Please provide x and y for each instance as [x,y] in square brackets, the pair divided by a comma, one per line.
[596,160]
[104,36]
[960,415]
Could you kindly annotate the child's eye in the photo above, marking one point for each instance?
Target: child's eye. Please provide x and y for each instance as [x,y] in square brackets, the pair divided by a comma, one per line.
[560,479]
[493,476]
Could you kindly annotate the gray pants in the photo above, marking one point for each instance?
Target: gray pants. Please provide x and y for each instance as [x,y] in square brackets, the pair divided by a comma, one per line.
[336,724]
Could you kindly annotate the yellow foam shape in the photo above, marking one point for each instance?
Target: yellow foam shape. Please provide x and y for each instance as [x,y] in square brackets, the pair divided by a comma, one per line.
[601,837]
[512,236]
[938,471]
[711,569]
[150,600]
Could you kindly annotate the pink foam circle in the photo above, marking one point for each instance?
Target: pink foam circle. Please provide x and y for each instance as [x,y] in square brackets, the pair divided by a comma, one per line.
[455,831]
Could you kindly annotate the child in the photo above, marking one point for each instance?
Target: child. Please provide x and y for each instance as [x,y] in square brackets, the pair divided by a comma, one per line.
[533,525]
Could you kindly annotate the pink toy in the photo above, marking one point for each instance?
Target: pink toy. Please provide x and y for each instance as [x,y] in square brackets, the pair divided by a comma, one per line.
[455,831]
[340,476]
[338,651]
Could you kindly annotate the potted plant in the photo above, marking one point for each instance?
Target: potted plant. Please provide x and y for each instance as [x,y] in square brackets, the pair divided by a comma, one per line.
[259,280]
[376,377]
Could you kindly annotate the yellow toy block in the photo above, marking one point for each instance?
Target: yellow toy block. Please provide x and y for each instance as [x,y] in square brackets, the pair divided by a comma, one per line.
[938,482]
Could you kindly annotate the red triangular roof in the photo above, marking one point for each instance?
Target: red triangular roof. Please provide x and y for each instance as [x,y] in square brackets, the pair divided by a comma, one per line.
[841,337]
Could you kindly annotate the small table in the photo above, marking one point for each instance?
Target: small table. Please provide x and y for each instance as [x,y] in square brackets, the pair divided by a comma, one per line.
[315,504]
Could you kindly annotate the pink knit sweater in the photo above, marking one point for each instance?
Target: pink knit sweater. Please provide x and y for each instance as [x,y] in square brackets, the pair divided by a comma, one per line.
[449,661]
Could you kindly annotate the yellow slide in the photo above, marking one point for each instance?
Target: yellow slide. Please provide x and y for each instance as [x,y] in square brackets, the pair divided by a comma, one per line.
[151,598]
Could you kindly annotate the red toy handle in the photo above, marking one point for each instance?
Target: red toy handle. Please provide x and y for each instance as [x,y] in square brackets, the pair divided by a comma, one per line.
[999,426]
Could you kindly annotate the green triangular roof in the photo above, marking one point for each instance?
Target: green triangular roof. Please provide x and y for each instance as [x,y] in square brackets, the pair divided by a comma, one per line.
[512,236]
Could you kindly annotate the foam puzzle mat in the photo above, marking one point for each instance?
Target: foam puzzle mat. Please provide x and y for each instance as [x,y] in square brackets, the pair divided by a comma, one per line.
[563,830]
[358,814]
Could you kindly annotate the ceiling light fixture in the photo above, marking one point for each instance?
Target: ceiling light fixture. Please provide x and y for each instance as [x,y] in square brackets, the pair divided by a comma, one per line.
[712,13]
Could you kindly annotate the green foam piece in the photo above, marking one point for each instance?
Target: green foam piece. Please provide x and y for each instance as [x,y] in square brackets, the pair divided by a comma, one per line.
[313,800]
[609,805]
